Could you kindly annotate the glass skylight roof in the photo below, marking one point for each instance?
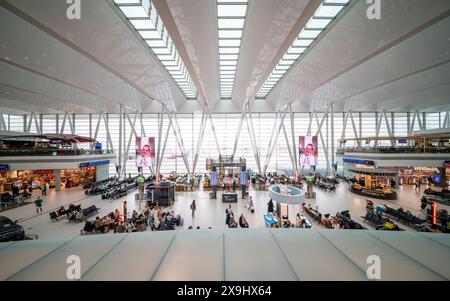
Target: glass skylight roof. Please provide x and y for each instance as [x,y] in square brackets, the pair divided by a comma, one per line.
[230,24]
[321,19]
[143,16]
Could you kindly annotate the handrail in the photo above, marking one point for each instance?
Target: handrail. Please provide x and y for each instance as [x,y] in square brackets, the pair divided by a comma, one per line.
[52,152]
[395,150]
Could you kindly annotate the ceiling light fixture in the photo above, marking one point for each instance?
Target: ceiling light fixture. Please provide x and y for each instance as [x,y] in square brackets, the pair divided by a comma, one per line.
[322,18]
[230,25]
[143,16]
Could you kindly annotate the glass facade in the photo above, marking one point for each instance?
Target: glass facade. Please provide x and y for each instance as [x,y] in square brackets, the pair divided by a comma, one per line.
[226,126]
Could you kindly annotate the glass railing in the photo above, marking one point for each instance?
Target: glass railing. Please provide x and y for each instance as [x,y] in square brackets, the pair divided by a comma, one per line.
[395,150]
[52,152]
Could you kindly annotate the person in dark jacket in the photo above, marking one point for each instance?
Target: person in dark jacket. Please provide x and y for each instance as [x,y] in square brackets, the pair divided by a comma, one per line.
[270,206]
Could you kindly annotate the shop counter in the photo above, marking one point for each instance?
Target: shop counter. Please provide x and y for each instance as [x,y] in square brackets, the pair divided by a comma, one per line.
[374,193]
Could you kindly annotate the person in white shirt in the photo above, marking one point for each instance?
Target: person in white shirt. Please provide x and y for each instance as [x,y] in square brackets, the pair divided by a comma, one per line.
[308,160]
[144,158]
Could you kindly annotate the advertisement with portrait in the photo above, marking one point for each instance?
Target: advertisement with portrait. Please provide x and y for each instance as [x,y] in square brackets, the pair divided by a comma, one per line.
[308,152]
[145,151]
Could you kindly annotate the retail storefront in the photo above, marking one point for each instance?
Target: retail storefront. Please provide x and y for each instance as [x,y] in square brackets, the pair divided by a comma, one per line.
[409,176]
[69,178]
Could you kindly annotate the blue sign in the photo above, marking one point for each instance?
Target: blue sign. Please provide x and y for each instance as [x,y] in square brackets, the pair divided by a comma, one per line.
[214,178]
[359,161]
[402,141]
[437,179]
[98,146]
[95,163]
[4,167]
[244,179]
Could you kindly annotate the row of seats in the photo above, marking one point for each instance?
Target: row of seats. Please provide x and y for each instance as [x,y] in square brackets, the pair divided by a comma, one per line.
[405,217]
[55,215]
[78,216]
[380,222]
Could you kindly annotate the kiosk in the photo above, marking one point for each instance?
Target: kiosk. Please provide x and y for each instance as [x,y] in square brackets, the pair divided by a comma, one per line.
[163,193]
[285,195]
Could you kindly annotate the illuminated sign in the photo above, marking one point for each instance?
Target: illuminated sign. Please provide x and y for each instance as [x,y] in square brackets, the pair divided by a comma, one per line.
[359,161]
[4,167]
[43,171]
[95,163]
[427,169]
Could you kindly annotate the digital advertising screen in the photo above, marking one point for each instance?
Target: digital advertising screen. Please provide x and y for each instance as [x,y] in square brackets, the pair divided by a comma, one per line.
[145,151]
[308,151]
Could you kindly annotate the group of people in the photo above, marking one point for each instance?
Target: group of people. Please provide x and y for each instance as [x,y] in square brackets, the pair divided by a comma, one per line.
[230,220]
[228,183]
[152,217]
[326,220]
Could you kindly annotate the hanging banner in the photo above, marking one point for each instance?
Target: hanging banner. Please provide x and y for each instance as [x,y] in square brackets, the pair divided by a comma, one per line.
[308,150]
[145,151]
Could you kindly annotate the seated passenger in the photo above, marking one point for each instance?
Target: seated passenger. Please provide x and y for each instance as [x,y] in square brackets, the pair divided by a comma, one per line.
[61,211]
[121,227]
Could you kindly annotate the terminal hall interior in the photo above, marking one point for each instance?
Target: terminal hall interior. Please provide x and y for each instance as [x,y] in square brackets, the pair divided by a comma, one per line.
[225,140]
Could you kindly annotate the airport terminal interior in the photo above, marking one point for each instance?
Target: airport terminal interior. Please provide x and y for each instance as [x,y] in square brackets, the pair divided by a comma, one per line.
[224,140]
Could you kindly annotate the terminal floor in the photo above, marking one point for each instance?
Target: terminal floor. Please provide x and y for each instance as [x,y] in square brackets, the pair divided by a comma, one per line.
[209,213]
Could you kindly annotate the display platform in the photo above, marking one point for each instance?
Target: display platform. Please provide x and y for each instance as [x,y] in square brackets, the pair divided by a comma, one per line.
[374,193]
[286,194]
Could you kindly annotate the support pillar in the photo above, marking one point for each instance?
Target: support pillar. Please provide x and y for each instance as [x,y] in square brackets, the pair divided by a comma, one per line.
[57,180]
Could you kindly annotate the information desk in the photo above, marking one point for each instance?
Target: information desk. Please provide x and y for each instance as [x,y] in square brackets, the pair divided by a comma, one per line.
[229,197]
[383,194]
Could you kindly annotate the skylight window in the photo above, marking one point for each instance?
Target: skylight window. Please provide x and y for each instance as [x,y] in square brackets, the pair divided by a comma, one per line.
[323,16]
[230,24]
[143,16]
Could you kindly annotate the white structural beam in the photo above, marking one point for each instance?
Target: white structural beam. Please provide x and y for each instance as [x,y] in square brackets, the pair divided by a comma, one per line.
[446,122]
[175,128]
[274,128]
[286,137]
[333,161]
[274,142]
[413,123]
[308,131]
[238,133]
[213,128]
[319,133]
[344,128]
[71,124]
[108,133]
[63,124]
[163,150]
[160,129]
[254,147]
[355,131]
[3,126]
[294,144]
[420,121]
[201,133]
[127,151]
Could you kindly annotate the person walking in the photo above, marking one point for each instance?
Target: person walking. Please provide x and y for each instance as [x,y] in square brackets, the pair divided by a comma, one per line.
[250,204]
[270,206]
[38,202]
[193,207]
[234,184]
[228,213]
